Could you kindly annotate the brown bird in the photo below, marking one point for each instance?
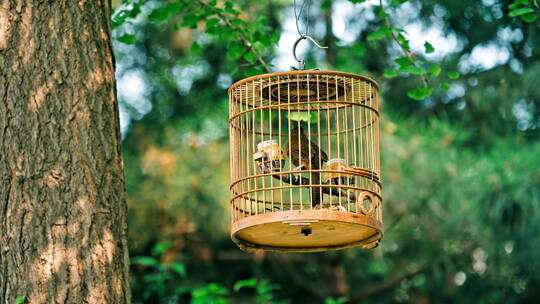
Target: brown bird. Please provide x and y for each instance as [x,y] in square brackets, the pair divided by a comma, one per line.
[307,155]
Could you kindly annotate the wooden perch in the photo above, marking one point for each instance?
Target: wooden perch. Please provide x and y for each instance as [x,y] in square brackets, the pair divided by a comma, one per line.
[298,180]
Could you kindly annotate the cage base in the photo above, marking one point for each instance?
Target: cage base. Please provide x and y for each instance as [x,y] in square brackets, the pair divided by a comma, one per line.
[306,231]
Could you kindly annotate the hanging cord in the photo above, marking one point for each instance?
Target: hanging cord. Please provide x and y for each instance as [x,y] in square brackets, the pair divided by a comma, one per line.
[297,16]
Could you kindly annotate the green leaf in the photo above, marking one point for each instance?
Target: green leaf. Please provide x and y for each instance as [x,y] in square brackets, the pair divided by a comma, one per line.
[453,75]
[259,46]
[529,17]
[161,247]
[252,72]
[403,62]
[145,260]
[445,86]
[435,70]
[158,15]
[238,22]
[195,48]
[266,114]
[181,290]
[229,8]
[429,48]
[162,14]
[517,4]
[250,57]
[212,22]
[358,1]
[381,13]
[127,39]
[310,117]
[413,70]
[191,20]
[251,283]
[276,35]
[420,92]
[520,11]
[391,73]
[20,300]
[235,51]
[179,268]
[380,33]
[341,300]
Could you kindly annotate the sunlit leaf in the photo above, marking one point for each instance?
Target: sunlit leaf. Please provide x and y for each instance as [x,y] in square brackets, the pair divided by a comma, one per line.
[453,75]
[145,260]
[420,92]
[445,86]
[251,283]
[380,33]
[341,300]
[302,116]
[520,11]
[413,70]
[403,61]
[161,247]
[429,48]
[20,300]
[435,70]
[250,57]
[391,73]
[179,268]
[127,39]
[259,46]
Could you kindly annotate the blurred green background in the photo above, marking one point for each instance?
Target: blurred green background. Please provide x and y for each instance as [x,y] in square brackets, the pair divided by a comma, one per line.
[460,168]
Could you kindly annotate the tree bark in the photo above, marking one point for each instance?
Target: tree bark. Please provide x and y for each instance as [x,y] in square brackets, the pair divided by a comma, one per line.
[63,231]
[329,38]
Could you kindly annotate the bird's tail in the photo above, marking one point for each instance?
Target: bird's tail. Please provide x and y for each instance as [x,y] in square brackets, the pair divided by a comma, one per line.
[315,179]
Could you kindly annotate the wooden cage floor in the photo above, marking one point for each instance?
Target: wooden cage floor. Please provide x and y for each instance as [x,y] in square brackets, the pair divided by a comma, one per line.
[328,230]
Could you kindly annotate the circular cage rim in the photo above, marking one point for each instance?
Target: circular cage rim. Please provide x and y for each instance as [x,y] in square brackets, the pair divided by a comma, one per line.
[235,85]
[306,215]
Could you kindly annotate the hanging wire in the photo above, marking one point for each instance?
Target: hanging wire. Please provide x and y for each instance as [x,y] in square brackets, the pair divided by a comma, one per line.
[297,16]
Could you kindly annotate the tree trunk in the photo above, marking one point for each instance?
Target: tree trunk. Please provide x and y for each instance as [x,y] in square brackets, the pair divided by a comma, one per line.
[63,231]
[329,38]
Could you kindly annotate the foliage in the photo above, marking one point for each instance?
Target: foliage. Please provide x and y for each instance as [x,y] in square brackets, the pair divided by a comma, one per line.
[247,40]
[20,300]
[525,9]
[164,281]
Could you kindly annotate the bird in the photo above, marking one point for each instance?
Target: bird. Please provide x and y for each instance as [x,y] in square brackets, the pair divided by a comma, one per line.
[305,154]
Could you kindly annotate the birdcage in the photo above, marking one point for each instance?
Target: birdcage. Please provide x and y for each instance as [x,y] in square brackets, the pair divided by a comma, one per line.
[305,164]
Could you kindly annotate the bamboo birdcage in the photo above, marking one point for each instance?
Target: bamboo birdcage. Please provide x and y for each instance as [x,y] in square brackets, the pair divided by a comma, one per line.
[275,203]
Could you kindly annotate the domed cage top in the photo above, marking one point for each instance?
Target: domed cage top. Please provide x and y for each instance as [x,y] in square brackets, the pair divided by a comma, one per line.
[305,164]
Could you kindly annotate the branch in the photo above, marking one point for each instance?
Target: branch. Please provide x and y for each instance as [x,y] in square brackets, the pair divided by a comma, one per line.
[394,37]
[284,264]
[380,287]
[238,32]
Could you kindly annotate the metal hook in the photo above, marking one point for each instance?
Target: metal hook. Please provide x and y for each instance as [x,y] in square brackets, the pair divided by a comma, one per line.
[301,62]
